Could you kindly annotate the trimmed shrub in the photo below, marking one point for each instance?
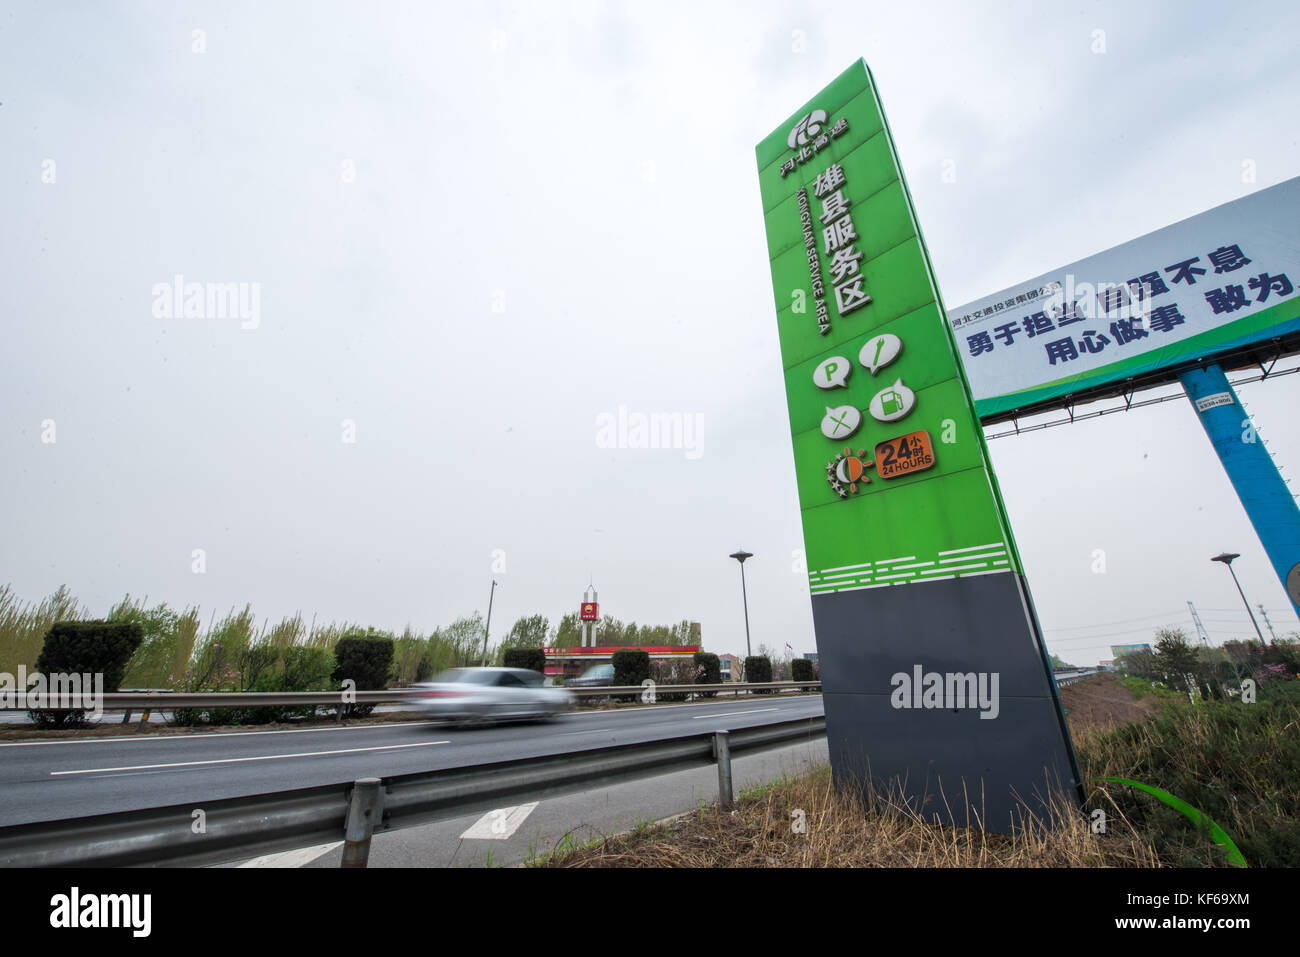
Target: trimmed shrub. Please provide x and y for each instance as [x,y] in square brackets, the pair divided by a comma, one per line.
[85,647]
[531,658]
[758,670]
[631,667]
[708,671]
[675,672]
[367,659]
[801,669]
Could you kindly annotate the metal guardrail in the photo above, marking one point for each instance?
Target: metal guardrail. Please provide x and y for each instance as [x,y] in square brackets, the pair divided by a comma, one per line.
[170,700]
[732,687]
[1064,678]
[235,828]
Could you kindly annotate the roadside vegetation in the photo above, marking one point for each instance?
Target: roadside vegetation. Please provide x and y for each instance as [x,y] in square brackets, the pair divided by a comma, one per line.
[238,653]
[1236,762]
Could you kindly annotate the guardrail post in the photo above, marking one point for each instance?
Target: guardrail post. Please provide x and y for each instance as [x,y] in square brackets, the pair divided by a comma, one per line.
[362,811]
[722,754]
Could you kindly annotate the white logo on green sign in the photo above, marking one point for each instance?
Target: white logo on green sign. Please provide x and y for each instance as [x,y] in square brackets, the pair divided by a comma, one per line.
[891,404]
[841,422]
[880,352]
[833,373]
[806,129]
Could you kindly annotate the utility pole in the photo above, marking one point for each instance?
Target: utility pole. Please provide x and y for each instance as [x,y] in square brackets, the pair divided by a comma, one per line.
[1200,629]
[488,627]
[1268,623]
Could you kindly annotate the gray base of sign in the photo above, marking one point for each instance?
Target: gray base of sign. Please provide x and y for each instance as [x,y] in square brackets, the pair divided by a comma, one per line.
[997,758]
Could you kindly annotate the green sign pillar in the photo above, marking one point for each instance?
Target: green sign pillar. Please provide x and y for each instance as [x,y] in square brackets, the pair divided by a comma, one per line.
[936,682]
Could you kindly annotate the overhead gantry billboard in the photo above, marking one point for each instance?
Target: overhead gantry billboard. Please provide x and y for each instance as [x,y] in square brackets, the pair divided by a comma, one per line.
[1219,287]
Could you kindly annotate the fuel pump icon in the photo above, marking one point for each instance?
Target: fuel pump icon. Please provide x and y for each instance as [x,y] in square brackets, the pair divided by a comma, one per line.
[893,402]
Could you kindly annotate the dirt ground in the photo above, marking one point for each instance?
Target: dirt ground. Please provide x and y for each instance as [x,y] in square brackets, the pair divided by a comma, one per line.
[1101,703]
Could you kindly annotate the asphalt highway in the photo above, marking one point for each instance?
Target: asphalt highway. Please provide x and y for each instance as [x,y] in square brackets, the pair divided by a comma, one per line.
[63,779]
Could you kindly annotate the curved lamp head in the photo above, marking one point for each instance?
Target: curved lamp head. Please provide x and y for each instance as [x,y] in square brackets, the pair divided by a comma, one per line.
[741,555]
[1225,557]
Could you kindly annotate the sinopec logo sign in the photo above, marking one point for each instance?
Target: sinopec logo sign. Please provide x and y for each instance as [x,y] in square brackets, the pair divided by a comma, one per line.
[806,129]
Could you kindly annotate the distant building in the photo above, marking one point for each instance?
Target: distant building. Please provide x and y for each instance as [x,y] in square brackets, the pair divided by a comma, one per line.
[731,667]
[571,662]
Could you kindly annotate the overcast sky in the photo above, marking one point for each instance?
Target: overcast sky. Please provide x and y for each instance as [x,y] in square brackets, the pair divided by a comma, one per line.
[473,229]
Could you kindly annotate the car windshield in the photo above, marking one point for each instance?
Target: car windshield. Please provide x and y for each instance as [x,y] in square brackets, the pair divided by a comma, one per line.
[599,671]
[473,676]
[489,676]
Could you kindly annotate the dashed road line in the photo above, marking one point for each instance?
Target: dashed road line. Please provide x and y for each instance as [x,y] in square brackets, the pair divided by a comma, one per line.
[213,734]
[258,757]
[730,714]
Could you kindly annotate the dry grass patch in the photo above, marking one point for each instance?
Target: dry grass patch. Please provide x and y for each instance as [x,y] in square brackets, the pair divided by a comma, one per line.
[843,829]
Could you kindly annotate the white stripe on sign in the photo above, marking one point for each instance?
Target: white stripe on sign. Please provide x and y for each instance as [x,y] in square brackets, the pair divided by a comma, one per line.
[297,858]
[500,824]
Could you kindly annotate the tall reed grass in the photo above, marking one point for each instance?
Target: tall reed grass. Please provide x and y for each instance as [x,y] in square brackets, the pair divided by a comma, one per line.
[233,653]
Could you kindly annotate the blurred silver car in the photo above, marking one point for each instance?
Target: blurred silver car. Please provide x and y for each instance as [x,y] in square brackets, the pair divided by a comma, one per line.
[480,695]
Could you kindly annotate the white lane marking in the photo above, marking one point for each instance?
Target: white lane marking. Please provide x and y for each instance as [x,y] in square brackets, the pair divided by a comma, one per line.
[498,825]
[307,731]
[729,714]
[588,731]
[215,734]
[358,727]
[298,858]
[258,757]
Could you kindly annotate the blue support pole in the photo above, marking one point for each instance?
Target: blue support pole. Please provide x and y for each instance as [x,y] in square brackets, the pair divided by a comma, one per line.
[1265,496]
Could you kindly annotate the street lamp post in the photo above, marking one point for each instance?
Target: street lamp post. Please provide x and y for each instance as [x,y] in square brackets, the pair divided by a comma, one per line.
[1226,558]
[740,556]
[488,627]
